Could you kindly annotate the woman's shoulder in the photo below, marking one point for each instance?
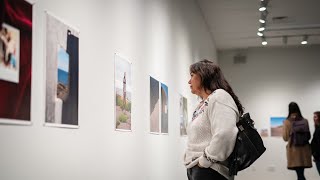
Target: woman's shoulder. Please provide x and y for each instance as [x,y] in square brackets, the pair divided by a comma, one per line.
[218,93]
[222,96]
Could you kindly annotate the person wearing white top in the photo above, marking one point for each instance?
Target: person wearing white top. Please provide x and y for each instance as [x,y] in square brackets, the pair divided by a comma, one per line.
[212,132]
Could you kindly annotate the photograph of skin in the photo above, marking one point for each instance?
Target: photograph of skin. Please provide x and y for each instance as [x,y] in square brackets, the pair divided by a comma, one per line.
[164,108]
[183,115]
[154,105]
[62,72]
[9,53]
[15,61]
[276,125]
[123,91]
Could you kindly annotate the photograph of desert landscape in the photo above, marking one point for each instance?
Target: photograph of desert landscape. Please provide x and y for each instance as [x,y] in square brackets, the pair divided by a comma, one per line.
[276,125]
[122,93]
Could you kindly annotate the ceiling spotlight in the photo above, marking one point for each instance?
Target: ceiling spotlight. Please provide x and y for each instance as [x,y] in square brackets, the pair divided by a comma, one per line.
[263,5]
[259,33]
[262,27]
[304,40]
[263,17]
[264,41]
[262,9]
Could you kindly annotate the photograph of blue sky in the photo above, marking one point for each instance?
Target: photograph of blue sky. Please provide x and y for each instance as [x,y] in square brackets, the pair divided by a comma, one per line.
[63,60]
[277,121]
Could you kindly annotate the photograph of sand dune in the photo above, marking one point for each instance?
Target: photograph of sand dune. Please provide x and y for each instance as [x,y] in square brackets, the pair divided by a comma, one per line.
[123,89]
[276,125]
[62,73]
[154,105]
[16,28]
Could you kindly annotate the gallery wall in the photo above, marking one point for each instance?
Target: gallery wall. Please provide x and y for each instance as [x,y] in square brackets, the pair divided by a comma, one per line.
[161,38]
[266,83]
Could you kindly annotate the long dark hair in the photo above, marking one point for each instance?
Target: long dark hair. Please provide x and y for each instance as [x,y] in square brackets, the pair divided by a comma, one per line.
[212,79]
[317,113]
[294,108]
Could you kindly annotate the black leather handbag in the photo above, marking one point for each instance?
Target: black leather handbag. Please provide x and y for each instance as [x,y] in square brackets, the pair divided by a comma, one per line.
[248,147]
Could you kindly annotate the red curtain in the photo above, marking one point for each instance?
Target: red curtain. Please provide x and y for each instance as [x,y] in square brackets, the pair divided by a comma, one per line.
[15,99]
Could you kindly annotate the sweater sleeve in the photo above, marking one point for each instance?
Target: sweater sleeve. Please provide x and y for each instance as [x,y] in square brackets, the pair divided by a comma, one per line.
[224,132]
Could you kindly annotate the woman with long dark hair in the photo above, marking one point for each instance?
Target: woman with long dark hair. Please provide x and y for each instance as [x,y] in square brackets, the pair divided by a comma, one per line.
[298,155]
[212,132]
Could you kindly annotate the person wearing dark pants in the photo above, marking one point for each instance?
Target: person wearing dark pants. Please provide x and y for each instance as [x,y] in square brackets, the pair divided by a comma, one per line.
[198,173]
[300,173]
[212,132]
[298,153]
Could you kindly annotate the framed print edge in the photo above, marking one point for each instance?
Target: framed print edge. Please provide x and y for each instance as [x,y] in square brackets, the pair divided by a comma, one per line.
[62,21]
[123,130]
[68,126]
[15,122]
[155,133]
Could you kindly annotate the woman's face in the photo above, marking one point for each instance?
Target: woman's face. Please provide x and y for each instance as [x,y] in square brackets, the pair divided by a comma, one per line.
[316,119]
[195,83]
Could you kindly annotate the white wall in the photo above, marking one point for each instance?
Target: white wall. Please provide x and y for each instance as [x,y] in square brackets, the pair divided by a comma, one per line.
[266,84]
[161,38]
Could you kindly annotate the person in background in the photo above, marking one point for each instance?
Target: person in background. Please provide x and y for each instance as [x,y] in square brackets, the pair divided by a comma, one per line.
[298,157]
[315,142]
[212,132]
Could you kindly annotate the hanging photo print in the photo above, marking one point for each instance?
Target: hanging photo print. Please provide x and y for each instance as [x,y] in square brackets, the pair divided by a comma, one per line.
[158,109]
[123,90]
[183,115]
[15,61]
[277,125]
[62,73]
[164,108]
[9,53]
[154,105]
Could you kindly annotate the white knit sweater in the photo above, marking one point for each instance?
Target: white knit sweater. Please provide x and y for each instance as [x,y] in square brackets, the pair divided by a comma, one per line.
[212,131]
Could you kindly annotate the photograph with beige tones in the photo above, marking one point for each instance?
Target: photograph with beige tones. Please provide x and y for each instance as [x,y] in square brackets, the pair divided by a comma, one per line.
[154,106]
[122,85]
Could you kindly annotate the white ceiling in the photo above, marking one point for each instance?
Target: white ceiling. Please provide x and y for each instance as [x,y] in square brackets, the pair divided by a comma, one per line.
[234,23]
